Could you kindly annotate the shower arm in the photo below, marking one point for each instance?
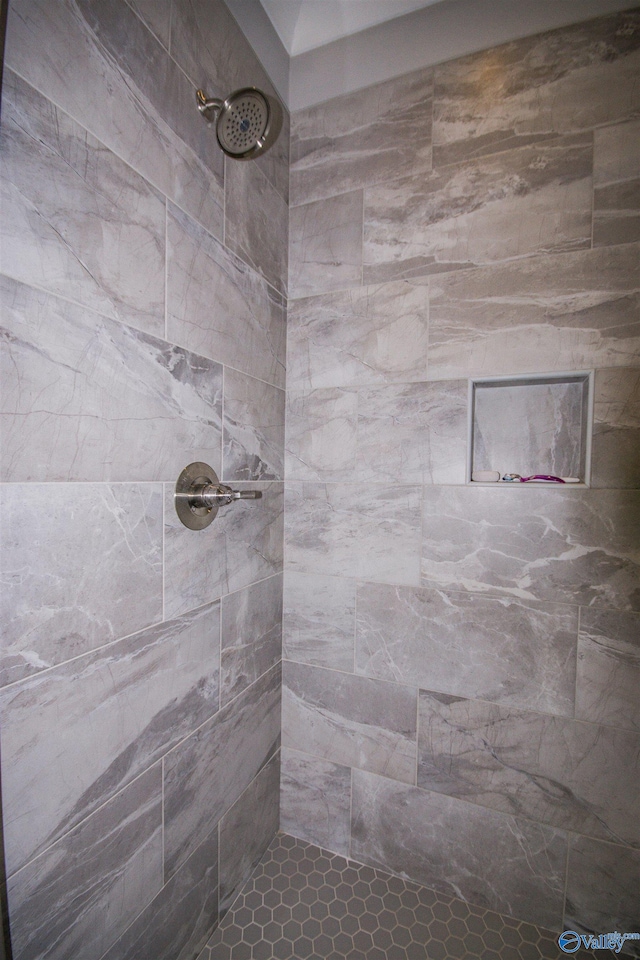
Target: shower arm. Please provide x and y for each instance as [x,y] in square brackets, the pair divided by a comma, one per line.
[206,103]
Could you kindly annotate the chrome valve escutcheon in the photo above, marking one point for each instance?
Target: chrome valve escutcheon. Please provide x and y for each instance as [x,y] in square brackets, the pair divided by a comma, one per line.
[199,495]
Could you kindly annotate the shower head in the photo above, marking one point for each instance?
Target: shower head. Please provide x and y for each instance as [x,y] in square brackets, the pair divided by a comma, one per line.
[244,122]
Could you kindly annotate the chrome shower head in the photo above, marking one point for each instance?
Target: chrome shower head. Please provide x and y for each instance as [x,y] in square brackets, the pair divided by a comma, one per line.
[244,122]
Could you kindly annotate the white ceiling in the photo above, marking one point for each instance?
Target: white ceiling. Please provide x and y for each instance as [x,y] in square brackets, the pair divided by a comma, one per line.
[306,24]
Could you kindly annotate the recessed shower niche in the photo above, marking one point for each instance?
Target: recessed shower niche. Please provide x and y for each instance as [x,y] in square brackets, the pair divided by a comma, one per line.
[532,425]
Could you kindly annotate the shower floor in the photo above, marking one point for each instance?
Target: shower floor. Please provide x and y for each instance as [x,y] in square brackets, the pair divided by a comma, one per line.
[304,903]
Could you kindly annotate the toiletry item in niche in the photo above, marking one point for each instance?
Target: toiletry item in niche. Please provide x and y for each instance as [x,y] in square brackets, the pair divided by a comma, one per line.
[485,476]
[544,477]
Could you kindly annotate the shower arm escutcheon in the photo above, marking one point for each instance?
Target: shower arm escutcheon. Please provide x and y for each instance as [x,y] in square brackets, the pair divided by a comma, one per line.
[199,495]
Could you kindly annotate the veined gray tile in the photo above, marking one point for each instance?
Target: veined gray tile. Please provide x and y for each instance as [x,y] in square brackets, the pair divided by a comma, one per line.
[602,889]
[616,157]
[571,546]
[615,458]
[319,620]
[609,668]
[321,435]
[219,307]
[157,16]
[244,544]
[413,433]
[352,721]
[246,831]
[76,219]
[207,773]
[170,672]
[80,567]
[83,53]
[371,533]
[496,861]
[569,311]
[511,652]
[517,93]
[578,776]
[511,205]
[256,222]
[380,133]
[616,172]
[178,922]
[253,437]
[374,334]
[251,635]
[81,894]
[88,398]
[325,245]
[315,802]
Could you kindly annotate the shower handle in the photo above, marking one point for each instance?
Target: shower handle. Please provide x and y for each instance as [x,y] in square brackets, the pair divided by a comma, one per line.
[199,495]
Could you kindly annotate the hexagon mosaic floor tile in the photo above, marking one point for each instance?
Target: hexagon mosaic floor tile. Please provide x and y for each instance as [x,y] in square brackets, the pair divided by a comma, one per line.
[304,903]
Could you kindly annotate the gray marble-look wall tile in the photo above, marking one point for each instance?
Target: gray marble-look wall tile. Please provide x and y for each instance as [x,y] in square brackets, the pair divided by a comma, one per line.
[352,721]
[157,16]
[325,245]
[511,205]
[608,675]
[615,153]
[88,398]
[256,222]
[319,620]
[247,829]
[81,894]
[569,311]
[83,54]
[217,306]
[374,334]
[615,456]
[616,175]
[170,672]
[76,219]
[207,773]
[511,652]
[80,567]
[178,922]
[253,429]
[321,434]
[244,544]
[380,133]
[571,546]
[315,801]
[602,889]
[577,776]
[251,635]
[371,533]
[496,861]
[518,93]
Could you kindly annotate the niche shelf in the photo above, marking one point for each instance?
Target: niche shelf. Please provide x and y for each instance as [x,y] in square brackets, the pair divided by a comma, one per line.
[534,424]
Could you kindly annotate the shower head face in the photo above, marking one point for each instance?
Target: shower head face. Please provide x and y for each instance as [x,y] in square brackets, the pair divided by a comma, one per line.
[243,124]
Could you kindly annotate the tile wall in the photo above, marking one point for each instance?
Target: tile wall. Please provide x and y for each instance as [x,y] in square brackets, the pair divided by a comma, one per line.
[142,284]
[461,665]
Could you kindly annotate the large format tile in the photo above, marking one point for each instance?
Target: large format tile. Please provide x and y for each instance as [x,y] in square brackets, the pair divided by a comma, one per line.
[88,398]
[616,176]
[241,546]
[517,203]
[321,434]
[76,219]
[206,774]
[101,65]
[251,640]
[315,802]
[157,16]
[325,245]
[523,92]
[572,546]
[578,776]
[219,307]
[253,438]
[371,533]
[319,620]
[80,895]
[568,311]
[608,673]
[350,720]
[80,567]
[375,334]
[496,861]
[376,134]
[615,458]
[170,672]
